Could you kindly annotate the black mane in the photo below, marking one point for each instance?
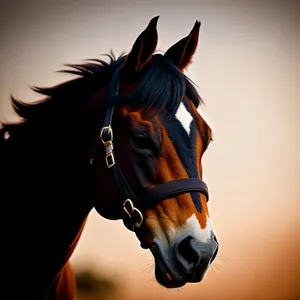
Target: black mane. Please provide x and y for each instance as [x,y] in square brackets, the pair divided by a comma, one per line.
[161,85]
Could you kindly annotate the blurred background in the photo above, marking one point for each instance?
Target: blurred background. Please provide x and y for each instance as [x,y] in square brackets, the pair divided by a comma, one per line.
[247,68]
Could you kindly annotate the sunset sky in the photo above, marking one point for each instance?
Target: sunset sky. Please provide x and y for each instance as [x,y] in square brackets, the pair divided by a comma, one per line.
[247,68]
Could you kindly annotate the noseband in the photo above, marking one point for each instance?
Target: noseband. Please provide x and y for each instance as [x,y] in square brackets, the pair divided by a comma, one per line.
[133,208]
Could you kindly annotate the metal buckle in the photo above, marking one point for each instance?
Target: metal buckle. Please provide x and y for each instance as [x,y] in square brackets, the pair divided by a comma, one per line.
[110,160]
[109,131]
[131,212]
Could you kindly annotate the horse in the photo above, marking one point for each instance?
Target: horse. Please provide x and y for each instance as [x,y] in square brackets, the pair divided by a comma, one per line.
[123,137]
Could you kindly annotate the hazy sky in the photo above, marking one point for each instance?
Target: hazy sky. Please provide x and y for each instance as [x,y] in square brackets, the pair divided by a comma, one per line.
[247,68]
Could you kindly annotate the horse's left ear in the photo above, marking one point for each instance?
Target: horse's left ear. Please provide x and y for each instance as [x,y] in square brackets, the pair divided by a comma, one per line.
[142,49]
[182,52]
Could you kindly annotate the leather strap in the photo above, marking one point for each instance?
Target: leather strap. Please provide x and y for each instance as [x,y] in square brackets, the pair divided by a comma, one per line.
[174,188]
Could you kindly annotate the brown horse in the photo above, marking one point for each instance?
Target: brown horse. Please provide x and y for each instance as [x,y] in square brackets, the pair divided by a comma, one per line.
[123,137]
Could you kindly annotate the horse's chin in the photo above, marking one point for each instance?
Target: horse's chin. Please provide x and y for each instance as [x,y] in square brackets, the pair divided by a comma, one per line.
[167,278]
[171,279]
[164,272]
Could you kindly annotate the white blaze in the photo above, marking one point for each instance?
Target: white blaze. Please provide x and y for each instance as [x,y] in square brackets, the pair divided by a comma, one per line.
[192,226]
[202,235]
[184,117]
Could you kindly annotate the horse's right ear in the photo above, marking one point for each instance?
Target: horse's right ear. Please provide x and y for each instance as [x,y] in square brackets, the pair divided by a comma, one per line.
[142,50]
[182,52]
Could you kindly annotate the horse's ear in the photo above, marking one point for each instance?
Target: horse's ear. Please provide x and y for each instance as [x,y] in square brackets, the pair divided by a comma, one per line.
[142,49]
[182,52]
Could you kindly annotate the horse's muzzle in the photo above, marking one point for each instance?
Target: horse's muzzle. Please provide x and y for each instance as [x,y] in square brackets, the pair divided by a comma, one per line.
[184,260]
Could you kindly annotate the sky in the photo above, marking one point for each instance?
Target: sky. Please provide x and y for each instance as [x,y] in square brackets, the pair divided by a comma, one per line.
[247,69]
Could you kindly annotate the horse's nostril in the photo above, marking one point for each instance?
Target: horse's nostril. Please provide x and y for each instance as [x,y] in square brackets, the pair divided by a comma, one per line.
[187,253]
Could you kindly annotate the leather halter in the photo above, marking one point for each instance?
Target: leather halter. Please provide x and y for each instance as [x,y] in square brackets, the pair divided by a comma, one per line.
[132,207]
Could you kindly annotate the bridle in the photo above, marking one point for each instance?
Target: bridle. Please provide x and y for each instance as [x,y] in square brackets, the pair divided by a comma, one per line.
[133,208]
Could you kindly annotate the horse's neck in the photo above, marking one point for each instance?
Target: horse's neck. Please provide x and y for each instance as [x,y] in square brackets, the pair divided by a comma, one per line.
[45,197]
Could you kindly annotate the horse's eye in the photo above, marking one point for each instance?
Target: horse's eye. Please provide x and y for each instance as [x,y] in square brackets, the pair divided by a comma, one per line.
[142,141]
